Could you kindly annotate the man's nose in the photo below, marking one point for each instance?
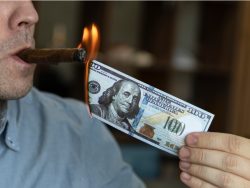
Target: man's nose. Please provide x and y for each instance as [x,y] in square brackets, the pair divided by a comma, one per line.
[24,15]
[129,99]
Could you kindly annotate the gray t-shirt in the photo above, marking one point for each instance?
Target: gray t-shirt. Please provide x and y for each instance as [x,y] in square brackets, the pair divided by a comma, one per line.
[51,142]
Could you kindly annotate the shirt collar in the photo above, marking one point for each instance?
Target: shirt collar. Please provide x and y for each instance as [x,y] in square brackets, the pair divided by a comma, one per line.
[3,118]
[14,114]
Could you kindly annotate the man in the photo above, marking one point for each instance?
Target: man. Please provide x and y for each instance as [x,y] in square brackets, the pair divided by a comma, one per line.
[46,141]
[119,102]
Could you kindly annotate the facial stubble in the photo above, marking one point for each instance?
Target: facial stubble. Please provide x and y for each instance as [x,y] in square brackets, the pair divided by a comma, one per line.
[15,80]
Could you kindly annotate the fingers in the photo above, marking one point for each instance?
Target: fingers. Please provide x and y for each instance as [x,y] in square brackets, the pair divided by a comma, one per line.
[201,175]
[216,159]
[194,182]
[219,141]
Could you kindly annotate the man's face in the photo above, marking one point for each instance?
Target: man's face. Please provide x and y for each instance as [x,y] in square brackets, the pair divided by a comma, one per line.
[126,99]
[17,23]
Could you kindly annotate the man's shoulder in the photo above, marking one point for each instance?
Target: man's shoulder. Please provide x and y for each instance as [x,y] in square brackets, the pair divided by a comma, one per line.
[70,112]
[52,99]
[52,105]
[59,112]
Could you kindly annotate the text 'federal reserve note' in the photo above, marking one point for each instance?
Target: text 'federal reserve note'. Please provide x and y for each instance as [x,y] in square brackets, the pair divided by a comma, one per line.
[142,111]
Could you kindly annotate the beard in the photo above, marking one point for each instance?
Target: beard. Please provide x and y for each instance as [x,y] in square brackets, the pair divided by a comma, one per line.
[15,81]
[16,76]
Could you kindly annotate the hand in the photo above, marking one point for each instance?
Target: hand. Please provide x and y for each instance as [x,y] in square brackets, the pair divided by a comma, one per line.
[215,160]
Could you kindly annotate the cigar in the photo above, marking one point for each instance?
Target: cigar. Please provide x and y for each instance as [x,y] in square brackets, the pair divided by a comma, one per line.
[53,56]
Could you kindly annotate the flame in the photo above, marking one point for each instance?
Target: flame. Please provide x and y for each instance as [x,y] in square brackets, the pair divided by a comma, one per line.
[90,42]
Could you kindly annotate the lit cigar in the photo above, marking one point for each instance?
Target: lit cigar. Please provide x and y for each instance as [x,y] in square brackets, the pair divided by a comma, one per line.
[53,56]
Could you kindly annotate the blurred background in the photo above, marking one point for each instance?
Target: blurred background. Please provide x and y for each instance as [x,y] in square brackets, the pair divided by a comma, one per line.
[197,51]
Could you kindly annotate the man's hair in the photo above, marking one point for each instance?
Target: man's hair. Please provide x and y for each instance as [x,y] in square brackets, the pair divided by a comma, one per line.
[107,97]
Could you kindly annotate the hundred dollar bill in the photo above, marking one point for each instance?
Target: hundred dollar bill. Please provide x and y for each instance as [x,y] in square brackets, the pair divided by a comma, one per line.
[142,111]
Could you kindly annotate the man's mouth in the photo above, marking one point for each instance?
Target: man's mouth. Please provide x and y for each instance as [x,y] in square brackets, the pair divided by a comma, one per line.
[16,58]
[126,107]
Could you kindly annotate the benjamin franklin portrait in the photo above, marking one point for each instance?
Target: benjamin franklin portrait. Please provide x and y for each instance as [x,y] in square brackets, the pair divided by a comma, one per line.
[119,103]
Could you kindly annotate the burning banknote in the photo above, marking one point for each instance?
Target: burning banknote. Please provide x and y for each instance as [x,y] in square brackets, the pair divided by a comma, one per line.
[142,111]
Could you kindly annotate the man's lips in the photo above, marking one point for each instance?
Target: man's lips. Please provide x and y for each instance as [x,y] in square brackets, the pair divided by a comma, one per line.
[18,60]
[15,56]
[126,107]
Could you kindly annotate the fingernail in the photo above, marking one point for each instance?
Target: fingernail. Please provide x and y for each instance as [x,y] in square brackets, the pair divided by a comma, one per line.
[185,176]
[192,139]
[184,153]
[184,165]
